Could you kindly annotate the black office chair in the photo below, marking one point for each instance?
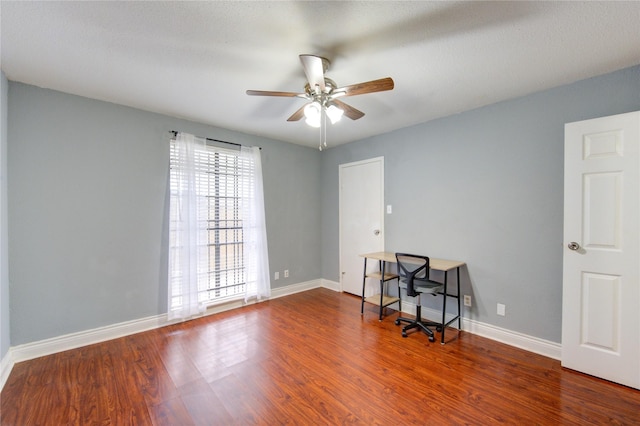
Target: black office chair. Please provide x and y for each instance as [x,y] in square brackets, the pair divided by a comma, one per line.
[414,275]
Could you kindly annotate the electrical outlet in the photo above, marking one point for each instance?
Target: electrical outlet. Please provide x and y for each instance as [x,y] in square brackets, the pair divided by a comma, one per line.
[276,276]
[502,309]
[467,300]
[286,273]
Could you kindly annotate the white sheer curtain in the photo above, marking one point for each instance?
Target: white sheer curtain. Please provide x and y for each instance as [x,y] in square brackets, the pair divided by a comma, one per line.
[211,190]
[254,230]
[188,229]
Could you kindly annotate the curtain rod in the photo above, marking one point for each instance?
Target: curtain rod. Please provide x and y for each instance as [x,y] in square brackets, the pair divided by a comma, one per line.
[175,133]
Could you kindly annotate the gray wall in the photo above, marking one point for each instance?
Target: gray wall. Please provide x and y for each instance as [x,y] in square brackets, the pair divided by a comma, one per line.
[485,187]
[5,340]
[88,205]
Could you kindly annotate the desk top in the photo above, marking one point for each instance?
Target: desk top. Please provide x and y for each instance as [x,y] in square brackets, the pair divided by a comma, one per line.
[436,264]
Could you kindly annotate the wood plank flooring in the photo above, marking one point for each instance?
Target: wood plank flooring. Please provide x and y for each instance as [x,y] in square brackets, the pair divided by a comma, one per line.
[308,358]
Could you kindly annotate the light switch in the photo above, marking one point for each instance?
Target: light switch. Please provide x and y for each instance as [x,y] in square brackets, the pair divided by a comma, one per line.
[388,208]
[502,310]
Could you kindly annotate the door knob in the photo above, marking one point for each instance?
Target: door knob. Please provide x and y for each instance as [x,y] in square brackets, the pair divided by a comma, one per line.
[573,245]
[376,232]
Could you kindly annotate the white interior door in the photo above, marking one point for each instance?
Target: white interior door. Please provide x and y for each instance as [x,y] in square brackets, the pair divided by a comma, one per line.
[601,282]
[361,218]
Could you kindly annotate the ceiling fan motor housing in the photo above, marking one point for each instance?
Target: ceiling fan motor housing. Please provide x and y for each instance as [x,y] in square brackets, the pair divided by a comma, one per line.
[325,91]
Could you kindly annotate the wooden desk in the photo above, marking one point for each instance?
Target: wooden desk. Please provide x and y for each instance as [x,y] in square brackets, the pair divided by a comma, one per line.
[382,300]
[383,276]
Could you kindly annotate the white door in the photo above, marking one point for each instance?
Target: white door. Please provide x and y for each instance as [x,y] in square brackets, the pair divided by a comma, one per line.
[601,278]
[361,218]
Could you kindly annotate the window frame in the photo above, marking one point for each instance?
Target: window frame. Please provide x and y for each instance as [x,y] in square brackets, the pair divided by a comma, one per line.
[221,272]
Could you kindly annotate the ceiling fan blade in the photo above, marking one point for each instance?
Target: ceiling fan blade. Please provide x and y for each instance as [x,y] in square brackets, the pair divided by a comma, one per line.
[314,68]
[379,85]
[271,93]
[349,111]
[298,114]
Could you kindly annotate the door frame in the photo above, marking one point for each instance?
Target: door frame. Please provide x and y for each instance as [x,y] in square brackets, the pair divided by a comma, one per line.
[380,161]
[601,276]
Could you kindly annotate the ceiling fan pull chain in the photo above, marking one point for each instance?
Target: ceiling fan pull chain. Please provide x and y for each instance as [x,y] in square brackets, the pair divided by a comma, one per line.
[323,130]
[324,126]
[320,133]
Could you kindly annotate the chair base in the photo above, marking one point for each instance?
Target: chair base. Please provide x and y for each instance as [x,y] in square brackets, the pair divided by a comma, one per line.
[417,322]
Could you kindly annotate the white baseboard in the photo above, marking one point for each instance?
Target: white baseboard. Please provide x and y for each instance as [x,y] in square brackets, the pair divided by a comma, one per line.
[295,288]
[114,331]
[509,337]
[84,338]
[331,285]
[88,337]
[513,338]
[6,365]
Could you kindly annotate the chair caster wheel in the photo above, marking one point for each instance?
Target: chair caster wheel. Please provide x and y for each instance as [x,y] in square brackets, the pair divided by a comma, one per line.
[432,339]
[439,329]
[397,322]
[404,334]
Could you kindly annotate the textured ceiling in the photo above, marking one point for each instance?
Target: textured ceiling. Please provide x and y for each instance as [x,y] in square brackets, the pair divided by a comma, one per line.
[195,60]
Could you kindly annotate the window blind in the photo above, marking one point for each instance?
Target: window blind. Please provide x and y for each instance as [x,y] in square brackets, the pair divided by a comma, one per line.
[223,180]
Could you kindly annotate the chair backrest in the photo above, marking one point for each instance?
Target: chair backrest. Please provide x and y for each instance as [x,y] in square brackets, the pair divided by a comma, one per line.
[410,267]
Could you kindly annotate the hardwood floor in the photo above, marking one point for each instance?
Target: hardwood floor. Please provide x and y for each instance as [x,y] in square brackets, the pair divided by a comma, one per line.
[309,358]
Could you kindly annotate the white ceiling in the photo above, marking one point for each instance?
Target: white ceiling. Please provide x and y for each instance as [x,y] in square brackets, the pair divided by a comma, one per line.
[195,60]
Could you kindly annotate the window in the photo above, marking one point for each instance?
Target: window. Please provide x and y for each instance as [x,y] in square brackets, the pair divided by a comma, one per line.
[221,176]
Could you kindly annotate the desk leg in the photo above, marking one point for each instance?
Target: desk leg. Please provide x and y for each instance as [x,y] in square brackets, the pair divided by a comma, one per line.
[364,280]
[458,280]
[444,307]
[382,266]
[444,304]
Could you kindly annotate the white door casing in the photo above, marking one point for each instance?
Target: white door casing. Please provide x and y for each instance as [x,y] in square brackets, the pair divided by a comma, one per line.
[601,261]
[361,219]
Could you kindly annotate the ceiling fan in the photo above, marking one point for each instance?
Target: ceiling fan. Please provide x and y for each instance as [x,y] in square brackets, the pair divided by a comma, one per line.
[322,93]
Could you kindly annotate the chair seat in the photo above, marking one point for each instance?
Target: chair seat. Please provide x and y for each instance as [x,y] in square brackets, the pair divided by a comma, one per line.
[423,285]
[413,271]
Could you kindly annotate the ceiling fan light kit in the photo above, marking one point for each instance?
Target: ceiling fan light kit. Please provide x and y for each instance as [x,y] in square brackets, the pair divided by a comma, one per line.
[322,93]
[313,111]
[334,113]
